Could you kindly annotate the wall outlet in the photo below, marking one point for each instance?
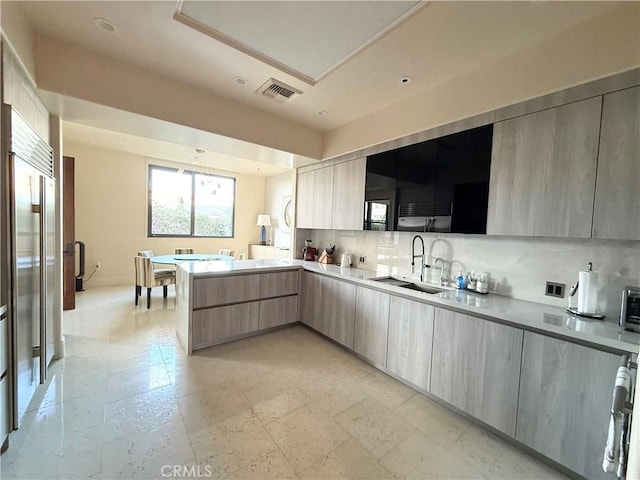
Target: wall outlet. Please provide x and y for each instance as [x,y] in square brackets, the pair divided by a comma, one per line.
[98,265]
[553,289]
[362,259]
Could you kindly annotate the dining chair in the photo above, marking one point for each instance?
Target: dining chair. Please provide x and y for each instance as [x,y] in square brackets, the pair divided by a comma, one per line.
[184,250]
[226,251]
[242,256]
[149,254]
[148,278]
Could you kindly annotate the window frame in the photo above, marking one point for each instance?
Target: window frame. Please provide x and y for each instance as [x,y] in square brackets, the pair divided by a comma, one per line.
[193,173]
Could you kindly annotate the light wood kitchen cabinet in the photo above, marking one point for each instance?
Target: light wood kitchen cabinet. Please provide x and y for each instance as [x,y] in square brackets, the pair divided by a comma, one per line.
[323,198]
[216,325]
[278,311]
[476,367]
[328,306]
[565,397]
[338,310]
[314,206]
[311,308]
[304,199]
[543,172]
[348,195]
[616,213]
[212,291]
[225,308]
[332,197]
[410,340]
[278,284]
[372,325]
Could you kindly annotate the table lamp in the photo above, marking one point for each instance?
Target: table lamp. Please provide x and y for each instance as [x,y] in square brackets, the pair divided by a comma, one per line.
[264,220]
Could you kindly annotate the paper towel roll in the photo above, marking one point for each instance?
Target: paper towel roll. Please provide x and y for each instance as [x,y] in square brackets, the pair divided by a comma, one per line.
[587,292]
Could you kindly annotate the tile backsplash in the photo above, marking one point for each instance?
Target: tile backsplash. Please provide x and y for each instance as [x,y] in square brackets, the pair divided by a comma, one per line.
[519,266]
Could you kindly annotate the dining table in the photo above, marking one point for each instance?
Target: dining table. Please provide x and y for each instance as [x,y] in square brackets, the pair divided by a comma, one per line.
[176,258]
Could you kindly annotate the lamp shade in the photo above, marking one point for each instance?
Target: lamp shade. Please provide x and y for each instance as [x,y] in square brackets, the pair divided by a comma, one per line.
[264,220]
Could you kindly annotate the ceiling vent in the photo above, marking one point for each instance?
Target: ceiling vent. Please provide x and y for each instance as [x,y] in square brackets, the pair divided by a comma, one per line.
[278,91]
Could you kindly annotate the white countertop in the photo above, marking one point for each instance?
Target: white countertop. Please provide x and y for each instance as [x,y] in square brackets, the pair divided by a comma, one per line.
[519,313]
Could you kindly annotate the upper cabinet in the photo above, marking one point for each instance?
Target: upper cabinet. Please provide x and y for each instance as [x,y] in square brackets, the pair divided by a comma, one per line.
[439,185]
[304,202]
[348,195]
[616,213]
[323,198]
[543,172]
[332,197]
[568,171]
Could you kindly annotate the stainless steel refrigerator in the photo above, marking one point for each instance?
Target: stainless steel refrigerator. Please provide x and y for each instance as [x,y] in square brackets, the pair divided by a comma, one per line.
[31,257]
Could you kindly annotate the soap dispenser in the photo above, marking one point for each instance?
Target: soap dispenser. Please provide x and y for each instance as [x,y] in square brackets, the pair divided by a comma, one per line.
[459,281]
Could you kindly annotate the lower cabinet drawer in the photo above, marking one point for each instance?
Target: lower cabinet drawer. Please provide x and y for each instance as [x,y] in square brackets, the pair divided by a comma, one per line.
[210,292]
[213,325]
[278,311]
[278,283]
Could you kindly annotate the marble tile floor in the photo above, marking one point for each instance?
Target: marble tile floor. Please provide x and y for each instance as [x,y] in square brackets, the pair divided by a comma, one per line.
[126,402]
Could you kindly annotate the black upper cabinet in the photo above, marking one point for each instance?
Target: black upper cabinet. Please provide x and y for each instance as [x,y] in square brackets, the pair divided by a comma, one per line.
[440,185]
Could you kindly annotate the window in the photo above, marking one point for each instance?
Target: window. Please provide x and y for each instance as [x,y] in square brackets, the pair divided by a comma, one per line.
[183,203]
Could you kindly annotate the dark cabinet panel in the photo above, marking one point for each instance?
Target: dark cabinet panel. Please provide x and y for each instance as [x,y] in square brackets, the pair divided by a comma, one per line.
[438,185]
[380,211]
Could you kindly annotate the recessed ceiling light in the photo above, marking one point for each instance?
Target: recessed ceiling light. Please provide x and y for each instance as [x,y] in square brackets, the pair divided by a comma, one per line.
[404,80]
[321,113]
[105,25]
[241,80]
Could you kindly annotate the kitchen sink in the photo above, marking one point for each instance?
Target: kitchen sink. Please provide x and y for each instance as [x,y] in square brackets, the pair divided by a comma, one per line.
[419,287]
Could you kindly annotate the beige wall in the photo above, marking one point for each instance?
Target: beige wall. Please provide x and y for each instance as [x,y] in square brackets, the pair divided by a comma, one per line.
[111,212]
[606,45]
[277,188]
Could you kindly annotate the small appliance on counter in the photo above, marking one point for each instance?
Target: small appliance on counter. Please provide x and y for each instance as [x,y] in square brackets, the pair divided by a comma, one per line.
[587,289]
[630,311]
[309,253]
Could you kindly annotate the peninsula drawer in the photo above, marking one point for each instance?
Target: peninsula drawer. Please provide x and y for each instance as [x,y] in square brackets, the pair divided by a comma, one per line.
[278,284]
[209,292]
[215,325]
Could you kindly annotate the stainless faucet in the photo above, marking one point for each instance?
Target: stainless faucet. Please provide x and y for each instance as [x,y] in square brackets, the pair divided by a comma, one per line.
[443,279]
[414,256]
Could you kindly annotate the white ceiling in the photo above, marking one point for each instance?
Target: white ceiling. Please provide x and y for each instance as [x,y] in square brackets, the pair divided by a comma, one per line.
[441,41]
[317,35]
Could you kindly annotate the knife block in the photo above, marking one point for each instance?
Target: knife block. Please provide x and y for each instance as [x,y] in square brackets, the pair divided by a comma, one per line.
[325,258]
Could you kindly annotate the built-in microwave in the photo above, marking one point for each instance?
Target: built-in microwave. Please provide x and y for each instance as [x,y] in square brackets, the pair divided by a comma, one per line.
[630,309]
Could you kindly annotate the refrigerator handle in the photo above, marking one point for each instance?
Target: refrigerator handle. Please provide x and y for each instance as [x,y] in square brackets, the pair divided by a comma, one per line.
[43,279]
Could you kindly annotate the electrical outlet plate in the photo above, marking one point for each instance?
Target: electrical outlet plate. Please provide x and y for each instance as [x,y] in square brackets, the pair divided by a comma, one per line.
[362,259]
[553,289]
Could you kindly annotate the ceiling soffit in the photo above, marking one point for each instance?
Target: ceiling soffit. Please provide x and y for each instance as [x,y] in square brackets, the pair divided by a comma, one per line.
[306,40]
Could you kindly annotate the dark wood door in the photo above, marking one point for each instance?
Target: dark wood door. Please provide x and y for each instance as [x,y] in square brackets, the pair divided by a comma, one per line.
[68,234]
